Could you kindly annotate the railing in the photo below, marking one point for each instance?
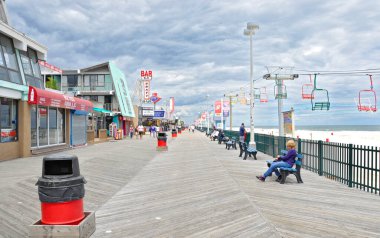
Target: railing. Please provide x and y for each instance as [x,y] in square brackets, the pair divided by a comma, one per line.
[353,165]
[108,86]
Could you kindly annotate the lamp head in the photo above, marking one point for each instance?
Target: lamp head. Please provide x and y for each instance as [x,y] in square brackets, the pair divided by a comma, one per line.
[251,26]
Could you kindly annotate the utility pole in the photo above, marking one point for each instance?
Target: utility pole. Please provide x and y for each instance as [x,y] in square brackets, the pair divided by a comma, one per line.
[250,31]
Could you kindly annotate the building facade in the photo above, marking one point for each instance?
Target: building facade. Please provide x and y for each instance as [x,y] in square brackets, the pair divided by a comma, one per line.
[106,87]
[32,119]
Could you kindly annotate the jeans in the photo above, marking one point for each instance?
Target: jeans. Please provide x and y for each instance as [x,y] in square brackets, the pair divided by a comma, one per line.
[274,168]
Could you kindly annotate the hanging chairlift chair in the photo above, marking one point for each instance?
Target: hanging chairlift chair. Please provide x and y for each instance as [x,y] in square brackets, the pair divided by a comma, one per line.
[307,88]
[257,93]
[366,97]
[319,97]
[263,95]
[280,91]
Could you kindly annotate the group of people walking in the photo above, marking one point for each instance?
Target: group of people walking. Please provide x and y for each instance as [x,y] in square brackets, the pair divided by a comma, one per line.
[140,130]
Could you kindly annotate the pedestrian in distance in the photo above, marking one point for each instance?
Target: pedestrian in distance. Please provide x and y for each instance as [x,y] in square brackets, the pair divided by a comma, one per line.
[131,131]
[141,130]
[137,132]
[242,133]
[286,161]
[154,131]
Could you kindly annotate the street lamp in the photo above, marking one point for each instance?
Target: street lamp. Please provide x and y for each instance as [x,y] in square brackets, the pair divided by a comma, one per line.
[250,31]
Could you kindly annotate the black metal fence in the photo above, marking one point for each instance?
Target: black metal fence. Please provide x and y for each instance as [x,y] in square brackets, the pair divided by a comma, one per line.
[354,165]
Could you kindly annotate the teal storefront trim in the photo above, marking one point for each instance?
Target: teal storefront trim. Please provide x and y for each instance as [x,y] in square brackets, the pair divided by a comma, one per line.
[122,91]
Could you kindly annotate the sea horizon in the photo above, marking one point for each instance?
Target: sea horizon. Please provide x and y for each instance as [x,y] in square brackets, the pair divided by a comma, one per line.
[323,127]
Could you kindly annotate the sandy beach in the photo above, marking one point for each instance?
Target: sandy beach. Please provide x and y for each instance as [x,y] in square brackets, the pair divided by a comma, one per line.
[368,138]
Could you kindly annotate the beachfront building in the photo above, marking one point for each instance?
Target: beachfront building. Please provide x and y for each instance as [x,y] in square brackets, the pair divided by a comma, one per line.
[106,87]
[32,119]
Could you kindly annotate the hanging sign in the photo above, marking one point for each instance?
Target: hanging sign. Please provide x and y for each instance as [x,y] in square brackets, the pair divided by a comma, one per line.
[218,108]
[146,89]
[146,74]
[171,105]
[155,98]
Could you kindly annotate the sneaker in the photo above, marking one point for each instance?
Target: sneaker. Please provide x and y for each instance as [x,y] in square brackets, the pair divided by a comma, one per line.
[261,178]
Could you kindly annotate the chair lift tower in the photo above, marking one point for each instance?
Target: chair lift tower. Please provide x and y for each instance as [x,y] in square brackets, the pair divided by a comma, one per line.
[279,74]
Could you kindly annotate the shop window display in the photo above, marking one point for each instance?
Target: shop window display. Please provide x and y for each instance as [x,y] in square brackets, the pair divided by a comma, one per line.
[8,120]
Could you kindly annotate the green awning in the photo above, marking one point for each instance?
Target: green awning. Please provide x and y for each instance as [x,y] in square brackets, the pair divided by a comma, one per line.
[101,110]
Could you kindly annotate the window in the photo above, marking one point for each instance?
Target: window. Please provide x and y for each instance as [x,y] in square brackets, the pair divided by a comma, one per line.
[26,64]
[101,80]
[86,80]
[94,98]
[8,52]
[47,126]
[8,120]
[72,80]
[31,68]
[8,64]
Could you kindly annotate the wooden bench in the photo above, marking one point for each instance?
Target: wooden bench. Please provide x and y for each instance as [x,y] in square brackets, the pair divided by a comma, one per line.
[248,151]
[284,171]
[231,143]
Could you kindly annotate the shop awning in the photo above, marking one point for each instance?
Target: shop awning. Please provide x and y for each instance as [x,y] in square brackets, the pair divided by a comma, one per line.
[101,110]
[47,98]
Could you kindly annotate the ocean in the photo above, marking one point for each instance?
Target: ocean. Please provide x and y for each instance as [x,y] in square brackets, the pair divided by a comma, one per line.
[323,127]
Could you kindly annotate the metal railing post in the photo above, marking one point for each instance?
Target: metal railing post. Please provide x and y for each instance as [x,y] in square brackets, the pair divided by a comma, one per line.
[299,146]
[320,158]
[350,150]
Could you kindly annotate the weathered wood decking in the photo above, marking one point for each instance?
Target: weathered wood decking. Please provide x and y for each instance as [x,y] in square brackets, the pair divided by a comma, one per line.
[196,189]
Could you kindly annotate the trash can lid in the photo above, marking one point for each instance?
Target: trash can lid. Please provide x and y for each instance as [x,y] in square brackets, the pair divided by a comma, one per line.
[60,165]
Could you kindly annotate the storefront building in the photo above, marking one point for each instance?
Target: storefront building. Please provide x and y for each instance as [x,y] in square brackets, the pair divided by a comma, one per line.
[31,118]
[105,85]
[18,69]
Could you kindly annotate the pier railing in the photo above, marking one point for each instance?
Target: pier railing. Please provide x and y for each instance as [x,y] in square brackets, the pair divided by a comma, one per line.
[354,165]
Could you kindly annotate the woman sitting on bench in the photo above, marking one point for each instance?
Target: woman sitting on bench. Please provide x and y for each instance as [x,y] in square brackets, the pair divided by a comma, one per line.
[286,161]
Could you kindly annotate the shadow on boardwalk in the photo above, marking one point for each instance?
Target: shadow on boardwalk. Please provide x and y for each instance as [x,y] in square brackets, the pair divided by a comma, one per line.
[196,189]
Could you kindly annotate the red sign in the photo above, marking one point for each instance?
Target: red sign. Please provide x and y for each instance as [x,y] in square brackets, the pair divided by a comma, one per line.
[51,99]
[146,89]
[146,74]
[49,66]
[218,107]
[155,98]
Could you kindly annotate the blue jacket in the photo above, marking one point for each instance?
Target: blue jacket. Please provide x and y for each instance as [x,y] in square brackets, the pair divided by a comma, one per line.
[241,132]
[290,157]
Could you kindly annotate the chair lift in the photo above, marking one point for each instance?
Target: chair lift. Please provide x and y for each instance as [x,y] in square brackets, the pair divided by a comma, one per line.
[263,95]
[257,93]
[364,101]
[307,88]
[280,91]
[319,97]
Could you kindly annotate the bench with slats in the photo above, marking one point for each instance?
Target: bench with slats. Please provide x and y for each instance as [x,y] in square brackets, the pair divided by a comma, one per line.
[231,144]
[248,151]
[284,171]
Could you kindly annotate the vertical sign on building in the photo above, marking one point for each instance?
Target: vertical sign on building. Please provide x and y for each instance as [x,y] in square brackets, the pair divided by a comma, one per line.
[218,108]
[226,108]
[146,77]
[171,105]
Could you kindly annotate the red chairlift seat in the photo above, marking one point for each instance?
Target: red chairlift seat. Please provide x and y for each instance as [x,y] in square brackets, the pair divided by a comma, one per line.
[366,95]
[263,95]
[307,90]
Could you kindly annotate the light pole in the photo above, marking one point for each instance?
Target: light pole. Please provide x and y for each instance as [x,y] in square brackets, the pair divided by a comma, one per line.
[250,31]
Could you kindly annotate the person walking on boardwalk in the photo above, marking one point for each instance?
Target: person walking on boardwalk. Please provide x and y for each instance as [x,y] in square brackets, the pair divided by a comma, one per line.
[241,133]
[140,128]
[286,161]
[154,131]
[131,131]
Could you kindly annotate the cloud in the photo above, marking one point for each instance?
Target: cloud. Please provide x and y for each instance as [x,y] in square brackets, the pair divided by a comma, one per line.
[197,48]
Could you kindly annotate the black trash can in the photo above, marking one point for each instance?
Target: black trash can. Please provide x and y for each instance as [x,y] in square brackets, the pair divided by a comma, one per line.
[61,190]
[161,139]
[174,133]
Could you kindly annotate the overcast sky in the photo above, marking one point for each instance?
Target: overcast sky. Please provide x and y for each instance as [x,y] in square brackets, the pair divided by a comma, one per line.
[197,48]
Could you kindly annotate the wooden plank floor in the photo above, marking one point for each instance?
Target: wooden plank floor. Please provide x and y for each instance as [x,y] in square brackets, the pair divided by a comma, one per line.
[184,192]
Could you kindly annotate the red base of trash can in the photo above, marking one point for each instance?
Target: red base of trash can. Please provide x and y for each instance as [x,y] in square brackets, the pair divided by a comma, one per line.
[174,135]
[179,132]
[161,143]
[62,213]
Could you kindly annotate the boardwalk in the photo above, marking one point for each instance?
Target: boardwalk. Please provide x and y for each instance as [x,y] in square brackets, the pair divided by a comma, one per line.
[196,189]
